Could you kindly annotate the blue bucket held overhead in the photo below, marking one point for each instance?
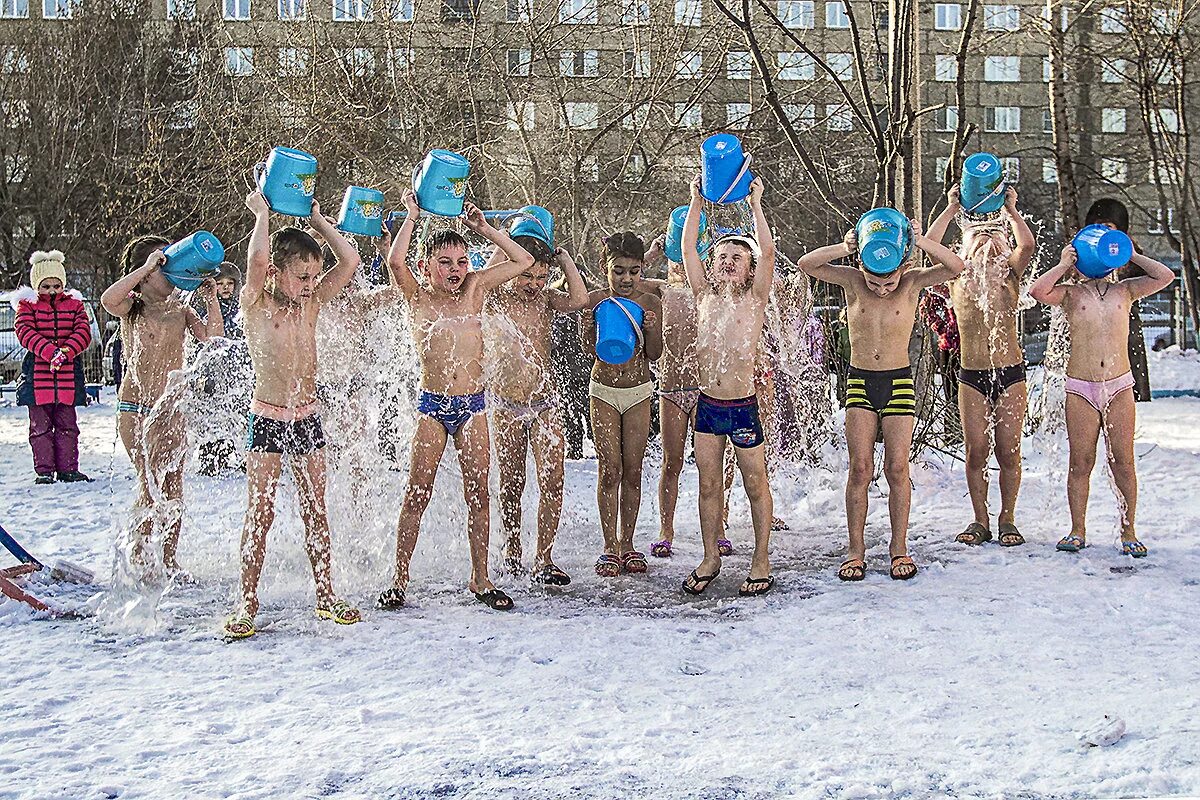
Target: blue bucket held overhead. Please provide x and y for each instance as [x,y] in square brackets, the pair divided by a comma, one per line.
[288,179]
[724,169]
[618,329]
[534,221]
[674,245]
[884,239]
[1100,250]
[362,212]
[440,183]
[192,259]
[981,190]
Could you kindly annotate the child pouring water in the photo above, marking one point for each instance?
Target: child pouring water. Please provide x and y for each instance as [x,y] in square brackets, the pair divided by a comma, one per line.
[1100,382]
[52,325]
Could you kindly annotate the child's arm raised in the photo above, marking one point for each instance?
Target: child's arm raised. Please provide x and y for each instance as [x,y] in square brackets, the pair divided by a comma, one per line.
[946,264]
[214,325]
[346,254]
[1022,256]
[1158,277]
[116,298]
[577,293]
[815,264]
[937,231]
[399,275]
[693,266]
[258,252]
[497,272]
[764,273]
[1046,289]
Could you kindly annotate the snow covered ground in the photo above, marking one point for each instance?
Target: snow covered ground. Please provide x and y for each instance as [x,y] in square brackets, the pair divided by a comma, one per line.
[973,680]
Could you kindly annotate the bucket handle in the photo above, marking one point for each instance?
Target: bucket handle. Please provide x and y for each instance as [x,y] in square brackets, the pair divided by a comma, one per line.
[637,329]
[738,179]
[1001,188]
[259,171]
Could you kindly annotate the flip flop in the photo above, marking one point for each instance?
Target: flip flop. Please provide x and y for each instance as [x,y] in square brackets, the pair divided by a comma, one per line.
[696,580]
[661,549]
[634,562]
[549,575]
[238,626]
[1010,536]
[495,599]
[974,534]
[895,570]
[1071,543]
[1134,548]
[725,547]
[608,566]
[390,600]
[753,587]
[778,524]
[854,569]
[340,612]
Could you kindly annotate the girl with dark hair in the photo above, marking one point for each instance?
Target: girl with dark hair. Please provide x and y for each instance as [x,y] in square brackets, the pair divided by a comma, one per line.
[620,405]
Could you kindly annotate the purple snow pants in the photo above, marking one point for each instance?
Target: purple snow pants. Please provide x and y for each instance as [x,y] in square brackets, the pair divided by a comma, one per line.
[54,437]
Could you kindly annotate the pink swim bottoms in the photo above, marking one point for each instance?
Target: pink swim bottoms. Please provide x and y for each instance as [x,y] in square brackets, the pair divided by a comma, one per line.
[1100,393]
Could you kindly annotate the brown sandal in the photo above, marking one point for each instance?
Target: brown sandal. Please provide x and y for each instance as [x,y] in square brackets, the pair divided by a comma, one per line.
[854,569]
[1010,536]
[975,534]
[899,573]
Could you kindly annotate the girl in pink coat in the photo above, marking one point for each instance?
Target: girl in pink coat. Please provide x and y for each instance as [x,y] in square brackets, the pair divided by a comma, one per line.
[53,326]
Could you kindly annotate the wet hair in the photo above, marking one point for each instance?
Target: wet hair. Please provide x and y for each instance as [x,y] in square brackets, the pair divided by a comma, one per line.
[741,241]
[133,256]
[289,244]
[626,244]
[1110,210]
[439,240]
[536,248]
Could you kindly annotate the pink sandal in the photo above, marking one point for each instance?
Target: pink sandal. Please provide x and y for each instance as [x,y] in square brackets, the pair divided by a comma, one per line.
[608,566]
[725,547]
[661,549]
[634,562]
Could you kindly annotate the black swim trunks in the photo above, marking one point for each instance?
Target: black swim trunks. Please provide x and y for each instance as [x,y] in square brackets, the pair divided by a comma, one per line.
[298,438]
[889,392]
[737,419]
[991,383]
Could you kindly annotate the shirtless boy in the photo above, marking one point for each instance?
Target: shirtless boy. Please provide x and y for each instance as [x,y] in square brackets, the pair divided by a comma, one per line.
[447,326]
[285,291]
[881,313]
[524,400]
[1100,382]
[154,321]
[991,397]
[731,303]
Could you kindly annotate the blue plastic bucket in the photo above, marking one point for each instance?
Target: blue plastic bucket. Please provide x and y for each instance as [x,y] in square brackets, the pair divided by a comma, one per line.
[724,169]
[674,245]
[362,211]
[884,239]
[534,221]
[192,259]
[288,179]
[1100,250]
[618,329]
[981,190]
[440,182]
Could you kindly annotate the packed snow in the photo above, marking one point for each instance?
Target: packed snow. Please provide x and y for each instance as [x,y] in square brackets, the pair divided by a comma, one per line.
[996,673]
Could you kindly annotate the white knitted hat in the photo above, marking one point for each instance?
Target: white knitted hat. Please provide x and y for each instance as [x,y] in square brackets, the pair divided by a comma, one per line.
[47,265]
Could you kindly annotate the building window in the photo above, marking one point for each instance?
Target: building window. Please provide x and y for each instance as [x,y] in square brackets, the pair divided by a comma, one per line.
[579,63]
[1156,221]
[351,10]
[239,61]
[1049,171]
[841,64]
[837,117]
[1012,168]
[737,65]
[401,10]
[14,60]
[687,12]
[15,113]
[835,15]
[589,169]
[291,9]
[637,63]
[689,115]
[577,12]
[1165,120]
[460,10]
[176,9]
[520,116]
[1047,121]
[1002,119]
[941,164]
[1114,71]
[236,9]
[16,167]
[945,67]
[582,116]
[519,61]
[689,65]
[58,9]
[801,116]
[635,12]
[400,61]
[1002,69]
[1114,169]
[635,168]
[183,115]
[517,11]
[14,9]
[796,67]
[359,61]
[796,13]
[737,116]
[1001,17]
[1112,120]
[1165,21]
[947,119]
[947,16]
[636,118]
[293,61]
